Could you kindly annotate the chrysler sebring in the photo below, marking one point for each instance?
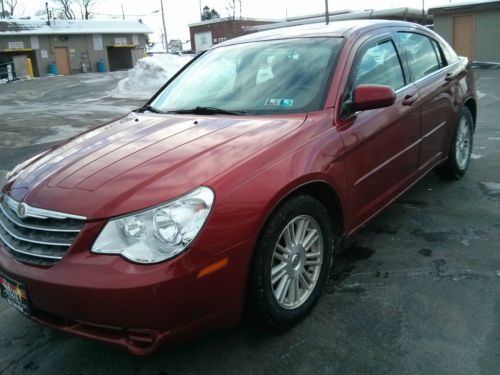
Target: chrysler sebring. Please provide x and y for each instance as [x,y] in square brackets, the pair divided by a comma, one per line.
[232,188]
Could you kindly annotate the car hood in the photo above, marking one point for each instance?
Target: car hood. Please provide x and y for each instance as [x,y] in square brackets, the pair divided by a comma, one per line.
[142,160]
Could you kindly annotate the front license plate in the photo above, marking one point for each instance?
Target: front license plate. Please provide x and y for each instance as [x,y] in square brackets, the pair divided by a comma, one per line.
[15,294]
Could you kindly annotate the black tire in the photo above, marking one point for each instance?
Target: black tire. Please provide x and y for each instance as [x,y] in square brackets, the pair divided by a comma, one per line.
[453,169]
[265,304]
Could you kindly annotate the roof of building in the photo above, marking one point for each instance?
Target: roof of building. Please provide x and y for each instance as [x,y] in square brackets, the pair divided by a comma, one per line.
[334,29]
[469,6]
[345,15]
[13,26]
[226,19]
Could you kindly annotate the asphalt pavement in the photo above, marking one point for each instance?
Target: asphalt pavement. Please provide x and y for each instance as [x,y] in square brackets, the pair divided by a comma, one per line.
[415,291]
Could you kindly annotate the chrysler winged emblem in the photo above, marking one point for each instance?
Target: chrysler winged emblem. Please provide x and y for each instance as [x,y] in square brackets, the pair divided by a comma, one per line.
[21,210]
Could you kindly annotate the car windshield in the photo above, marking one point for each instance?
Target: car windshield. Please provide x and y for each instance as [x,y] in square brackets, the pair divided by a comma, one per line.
[265,77]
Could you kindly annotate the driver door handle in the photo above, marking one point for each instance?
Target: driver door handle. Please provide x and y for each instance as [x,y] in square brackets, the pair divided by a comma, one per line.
[410,99]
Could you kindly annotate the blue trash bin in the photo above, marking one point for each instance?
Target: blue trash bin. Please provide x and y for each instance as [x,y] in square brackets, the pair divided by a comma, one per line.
[101,66]
[53,69]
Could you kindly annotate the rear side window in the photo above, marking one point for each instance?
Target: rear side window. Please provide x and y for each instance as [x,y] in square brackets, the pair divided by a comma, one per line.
[379,65]
[437,48]
[422,56]
[450,55]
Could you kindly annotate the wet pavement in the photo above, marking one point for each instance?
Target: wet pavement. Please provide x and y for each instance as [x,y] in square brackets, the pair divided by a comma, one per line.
[415,291]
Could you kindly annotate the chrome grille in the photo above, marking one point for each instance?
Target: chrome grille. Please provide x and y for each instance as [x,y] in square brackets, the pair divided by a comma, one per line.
[35,235]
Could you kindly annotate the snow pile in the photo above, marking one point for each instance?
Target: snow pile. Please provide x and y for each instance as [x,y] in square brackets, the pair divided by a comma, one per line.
[149,75]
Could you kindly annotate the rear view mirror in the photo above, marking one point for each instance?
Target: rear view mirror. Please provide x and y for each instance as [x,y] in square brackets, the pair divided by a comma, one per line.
[372,97]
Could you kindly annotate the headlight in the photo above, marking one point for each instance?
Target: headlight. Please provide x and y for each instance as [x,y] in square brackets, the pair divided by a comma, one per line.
[159,233]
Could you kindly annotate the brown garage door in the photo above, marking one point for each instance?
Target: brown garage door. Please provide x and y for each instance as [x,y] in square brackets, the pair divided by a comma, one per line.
[62,60]
[463,35]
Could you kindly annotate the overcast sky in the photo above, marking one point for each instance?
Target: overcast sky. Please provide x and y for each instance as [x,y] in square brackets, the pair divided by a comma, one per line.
[180,13]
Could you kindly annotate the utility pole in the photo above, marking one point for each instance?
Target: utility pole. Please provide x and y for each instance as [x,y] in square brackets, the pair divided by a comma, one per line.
[123,13]
[164,27]
[3,10]
[48,13]
[327,13]
[423,12]
[201,15]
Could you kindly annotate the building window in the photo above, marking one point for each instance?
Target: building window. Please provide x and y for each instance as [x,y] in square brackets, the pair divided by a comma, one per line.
[135,39]
[97,38]
[222,40]
[34,42]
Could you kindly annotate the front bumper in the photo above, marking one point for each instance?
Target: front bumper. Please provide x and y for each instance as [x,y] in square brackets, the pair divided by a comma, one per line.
[107,298]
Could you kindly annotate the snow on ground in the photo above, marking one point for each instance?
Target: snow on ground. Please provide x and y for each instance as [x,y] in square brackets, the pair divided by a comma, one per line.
[149,75]
[480,94]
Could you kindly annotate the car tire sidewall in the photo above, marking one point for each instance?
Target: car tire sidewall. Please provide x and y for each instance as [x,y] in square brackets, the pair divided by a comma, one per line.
[457,170]
[270,310]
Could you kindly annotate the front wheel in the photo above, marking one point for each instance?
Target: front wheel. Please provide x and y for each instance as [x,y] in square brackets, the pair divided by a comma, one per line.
[461,148]
[292,261]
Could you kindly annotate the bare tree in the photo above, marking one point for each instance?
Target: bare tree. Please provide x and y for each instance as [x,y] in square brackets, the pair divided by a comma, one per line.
[66,10]
[86,8]
[235,28]
[11,6]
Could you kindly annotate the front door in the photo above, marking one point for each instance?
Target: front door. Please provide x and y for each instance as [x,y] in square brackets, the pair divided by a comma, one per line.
[382,145]
[463,35]
[62,60]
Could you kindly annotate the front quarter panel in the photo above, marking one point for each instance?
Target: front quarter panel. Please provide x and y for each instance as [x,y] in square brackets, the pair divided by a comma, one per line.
[313,153]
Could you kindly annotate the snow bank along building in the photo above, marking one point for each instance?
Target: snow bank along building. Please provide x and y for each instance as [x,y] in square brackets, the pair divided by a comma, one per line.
[74,46]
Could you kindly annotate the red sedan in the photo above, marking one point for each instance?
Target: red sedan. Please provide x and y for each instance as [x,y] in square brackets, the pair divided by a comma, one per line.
[234,185]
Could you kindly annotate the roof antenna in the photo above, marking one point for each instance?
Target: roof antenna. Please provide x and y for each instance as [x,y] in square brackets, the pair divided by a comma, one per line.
[327,14]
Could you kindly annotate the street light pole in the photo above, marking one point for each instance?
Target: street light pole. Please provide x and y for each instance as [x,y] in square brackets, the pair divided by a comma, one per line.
[3,10]
[164,27]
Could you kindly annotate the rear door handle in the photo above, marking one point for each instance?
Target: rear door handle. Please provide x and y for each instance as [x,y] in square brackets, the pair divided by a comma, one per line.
[410,99]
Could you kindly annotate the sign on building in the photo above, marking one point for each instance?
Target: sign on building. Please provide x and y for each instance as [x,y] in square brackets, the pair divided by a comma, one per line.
[16,45]
[120,41]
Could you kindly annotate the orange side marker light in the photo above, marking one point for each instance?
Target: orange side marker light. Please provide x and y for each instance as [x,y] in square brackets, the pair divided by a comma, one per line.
[213,267]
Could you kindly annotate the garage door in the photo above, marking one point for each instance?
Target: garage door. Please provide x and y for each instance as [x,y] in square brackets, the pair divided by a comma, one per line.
[202,41]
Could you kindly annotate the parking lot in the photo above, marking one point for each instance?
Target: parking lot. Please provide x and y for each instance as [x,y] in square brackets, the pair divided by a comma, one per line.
[415,291]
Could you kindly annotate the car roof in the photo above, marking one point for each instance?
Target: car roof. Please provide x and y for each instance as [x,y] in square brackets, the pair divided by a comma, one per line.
[334,29]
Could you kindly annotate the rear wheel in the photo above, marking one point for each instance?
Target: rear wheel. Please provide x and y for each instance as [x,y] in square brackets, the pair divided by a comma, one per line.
[461,148]
[292,262]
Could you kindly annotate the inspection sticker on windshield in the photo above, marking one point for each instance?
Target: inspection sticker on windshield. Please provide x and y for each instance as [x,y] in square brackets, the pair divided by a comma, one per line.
[279,102]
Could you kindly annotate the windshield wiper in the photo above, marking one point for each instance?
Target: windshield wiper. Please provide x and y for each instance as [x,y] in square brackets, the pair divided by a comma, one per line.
[207,111]
[150,108]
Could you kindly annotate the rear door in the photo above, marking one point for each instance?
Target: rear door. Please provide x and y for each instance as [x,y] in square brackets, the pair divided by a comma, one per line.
[382,145]
[430,74]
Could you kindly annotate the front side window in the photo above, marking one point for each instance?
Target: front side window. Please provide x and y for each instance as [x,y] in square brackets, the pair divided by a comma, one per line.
[265,77]
[421,55]
[379,65]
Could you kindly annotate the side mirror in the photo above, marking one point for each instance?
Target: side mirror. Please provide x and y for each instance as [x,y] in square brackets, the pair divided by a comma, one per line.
[372,97]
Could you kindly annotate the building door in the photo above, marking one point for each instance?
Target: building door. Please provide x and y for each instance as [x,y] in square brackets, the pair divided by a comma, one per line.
[62,60]
[463,35]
